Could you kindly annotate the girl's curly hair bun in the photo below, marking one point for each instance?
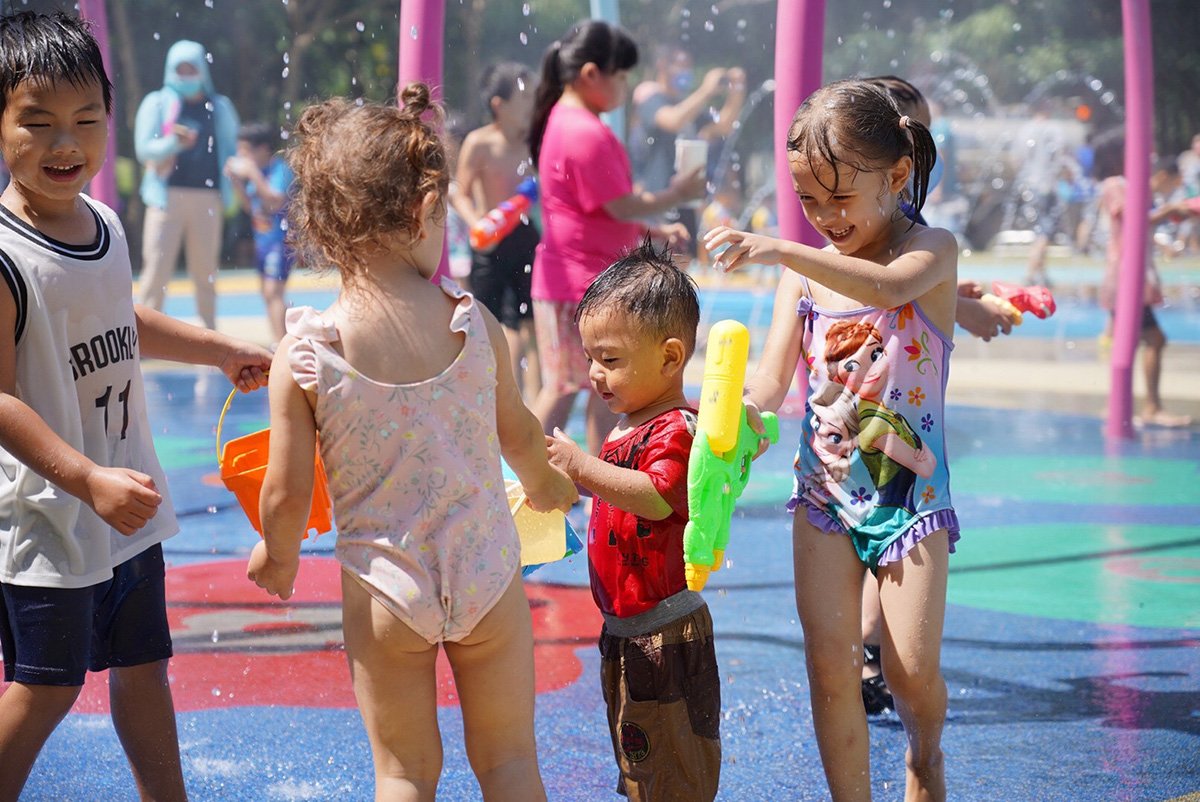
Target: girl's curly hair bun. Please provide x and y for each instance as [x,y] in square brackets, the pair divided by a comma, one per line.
[416,99]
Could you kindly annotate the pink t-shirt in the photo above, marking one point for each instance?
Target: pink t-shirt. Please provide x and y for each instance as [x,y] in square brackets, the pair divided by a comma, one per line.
[582,166]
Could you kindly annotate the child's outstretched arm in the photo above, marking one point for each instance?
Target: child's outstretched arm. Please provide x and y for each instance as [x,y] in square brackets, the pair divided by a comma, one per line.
[624,488]
[163,337]
[767,387]
[930,259]
[521,440]
[287,488]
[125,499]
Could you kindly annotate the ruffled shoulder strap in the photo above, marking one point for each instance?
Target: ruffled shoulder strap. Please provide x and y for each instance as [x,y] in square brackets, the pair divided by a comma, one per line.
[309,327]
[460,321]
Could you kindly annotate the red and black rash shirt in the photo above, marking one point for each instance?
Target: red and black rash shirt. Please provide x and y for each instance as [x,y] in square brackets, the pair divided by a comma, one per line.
[635,563]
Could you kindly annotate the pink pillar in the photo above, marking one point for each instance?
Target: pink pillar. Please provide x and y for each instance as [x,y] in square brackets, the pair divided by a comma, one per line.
[422,27]
[799,52]
[1139,117]
[104,186]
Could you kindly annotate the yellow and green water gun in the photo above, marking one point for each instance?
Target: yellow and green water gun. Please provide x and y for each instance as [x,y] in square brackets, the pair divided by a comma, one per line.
[719,462]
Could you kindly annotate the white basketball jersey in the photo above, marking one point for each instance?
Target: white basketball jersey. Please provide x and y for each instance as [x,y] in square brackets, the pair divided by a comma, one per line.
[78,368]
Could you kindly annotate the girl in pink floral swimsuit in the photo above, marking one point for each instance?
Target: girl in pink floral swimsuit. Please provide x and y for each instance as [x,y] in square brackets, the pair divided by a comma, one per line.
[409,387]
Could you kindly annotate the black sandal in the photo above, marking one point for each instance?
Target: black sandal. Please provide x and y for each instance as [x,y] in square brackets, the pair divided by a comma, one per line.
[876,696]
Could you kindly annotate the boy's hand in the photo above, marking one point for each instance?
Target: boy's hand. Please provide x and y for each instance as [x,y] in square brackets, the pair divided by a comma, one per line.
[564,453]
[730,249]
[246,365]
[275,577]
[125,499]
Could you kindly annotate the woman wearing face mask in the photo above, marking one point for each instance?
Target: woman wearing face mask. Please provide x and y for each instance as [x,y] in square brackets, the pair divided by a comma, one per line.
[673,103]
[183,134]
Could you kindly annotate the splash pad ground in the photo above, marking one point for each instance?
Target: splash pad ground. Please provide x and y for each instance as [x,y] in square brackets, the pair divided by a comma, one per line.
[1072,650]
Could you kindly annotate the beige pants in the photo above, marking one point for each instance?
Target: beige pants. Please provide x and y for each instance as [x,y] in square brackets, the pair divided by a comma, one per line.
[193,218]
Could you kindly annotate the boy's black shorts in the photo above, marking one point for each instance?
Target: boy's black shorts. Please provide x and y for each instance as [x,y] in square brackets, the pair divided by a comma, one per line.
[53,636]
[502,279]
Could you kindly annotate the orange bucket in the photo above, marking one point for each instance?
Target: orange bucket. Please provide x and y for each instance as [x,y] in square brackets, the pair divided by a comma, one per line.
[243,464]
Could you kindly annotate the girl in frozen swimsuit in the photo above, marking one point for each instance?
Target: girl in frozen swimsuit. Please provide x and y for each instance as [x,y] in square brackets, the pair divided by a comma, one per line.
[851,155]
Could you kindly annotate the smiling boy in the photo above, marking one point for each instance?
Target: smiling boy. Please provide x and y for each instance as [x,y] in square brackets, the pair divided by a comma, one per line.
[659,675]
[84,505]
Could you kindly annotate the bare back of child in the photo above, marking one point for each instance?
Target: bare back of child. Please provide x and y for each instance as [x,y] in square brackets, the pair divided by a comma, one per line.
[407,386]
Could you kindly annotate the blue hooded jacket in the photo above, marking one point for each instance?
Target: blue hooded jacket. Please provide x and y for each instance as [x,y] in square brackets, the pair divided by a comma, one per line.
[154,147]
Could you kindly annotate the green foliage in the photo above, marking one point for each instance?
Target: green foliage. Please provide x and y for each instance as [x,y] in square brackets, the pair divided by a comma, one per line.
[349,47]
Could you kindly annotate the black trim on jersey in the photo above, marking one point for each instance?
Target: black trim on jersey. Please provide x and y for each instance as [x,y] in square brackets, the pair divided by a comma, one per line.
[16,283]
[96,250]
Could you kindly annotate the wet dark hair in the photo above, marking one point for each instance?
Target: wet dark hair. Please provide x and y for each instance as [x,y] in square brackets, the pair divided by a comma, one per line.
[502,80]
[49,49]
[646,285]
[362,172]
[259,135]
[908,98]
[1166,164]
[857,123]
[1109,157]
[593,41]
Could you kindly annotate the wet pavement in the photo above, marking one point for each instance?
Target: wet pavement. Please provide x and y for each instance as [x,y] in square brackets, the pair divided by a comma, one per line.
[1071,654]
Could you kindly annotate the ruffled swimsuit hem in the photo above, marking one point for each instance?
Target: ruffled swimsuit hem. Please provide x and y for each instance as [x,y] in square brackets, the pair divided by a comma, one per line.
[904,541]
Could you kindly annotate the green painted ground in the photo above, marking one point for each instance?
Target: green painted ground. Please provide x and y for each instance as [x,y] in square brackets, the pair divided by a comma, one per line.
[1079,479]
[1146,576]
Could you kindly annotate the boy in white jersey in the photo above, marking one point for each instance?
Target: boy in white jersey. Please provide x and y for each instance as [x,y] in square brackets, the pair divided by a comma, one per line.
[83,501]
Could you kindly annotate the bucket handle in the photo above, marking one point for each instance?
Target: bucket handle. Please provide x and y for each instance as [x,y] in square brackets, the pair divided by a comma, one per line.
[221,423]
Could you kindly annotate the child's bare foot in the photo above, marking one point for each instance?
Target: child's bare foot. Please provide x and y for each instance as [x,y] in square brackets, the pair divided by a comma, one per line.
[1163,420]
[925,783]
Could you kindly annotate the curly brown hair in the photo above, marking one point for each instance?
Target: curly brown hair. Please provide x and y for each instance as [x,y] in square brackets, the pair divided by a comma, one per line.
[362,172]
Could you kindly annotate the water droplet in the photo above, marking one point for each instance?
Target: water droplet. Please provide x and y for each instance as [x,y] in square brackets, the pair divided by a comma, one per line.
[413,32]
[708,26]
[157,36]
[216,691]
[524,38]
[361,26]
[216,636]
[525,9]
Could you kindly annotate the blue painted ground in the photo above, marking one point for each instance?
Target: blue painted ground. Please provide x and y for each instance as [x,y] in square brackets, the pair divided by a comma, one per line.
[1072,649]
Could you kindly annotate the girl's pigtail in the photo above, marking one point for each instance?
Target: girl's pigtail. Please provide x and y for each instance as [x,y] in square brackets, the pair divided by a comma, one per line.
[550,89]
[924,154]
